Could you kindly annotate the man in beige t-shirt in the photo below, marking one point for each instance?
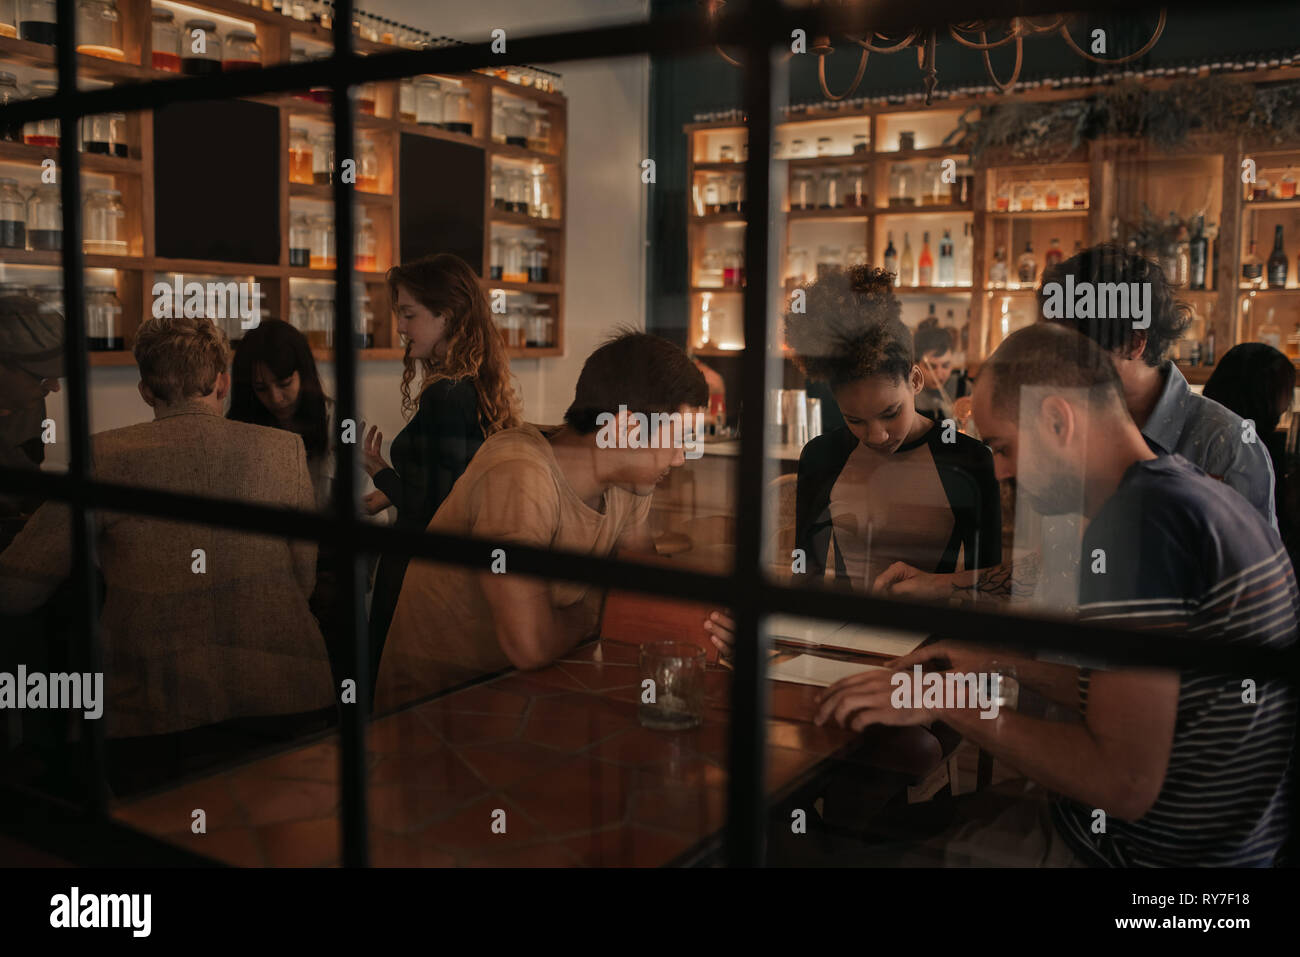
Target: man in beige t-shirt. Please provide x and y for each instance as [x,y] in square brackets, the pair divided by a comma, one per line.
[584,486]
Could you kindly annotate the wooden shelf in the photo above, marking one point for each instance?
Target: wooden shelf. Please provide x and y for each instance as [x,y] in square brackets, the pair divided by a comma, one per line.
[327,355]
[537,288]
[1040,214]
[1270,291]
[534,352]
[860,213]
[523,219]
[502,151]
[718,219]
[1270,204]
[14,50]
[514,89]
[933,290]
[323,111]
[217,267]
[715,290]
[326,194]
[902,156]
[713,353]
[805,162]
[327,275]
[29,155]
[41,257]
[949,209]
[437,134]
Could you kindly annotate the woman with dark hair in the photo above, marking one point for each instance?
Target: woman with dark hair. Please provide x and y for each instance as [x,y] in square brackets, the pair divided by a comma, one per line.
[1258,383]
[932,344]
[465,394]
[274,382]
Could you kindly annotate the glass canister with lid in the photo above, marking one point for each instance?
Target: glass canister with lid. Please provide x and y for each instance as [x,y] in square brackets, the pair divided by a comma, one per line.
[516,191]
[8,18]
[406,101]
[539,330]
[105,222]
[365,245]
[516,120]
[50,298]
[803,190]
[299,316]
[458,111]
[37,21]
[428,101]
[322,159]
[44,132]
[13,215]
[240,51]
[828,188]
[541,193]
[537,260]
[539,128]
[513,327]
[322,242]
[45,218]
[103,320]
[9,93]
[200,48]
[99,29]
[299,241]
[320,322]
[300,152]
[513,269]
[367,165]
[497,258]
[363,322]
[166,41]
[500,189]
[104,134]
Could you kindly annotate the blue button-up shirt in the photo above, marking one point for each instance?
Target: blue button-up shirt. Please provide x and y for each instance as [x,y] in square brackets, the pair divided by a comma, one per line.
[1212,438]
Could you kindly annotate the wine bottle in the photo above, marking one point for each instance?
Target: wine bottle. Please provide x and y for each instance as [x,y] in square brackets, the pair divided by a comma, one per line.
[965,256]
[1277,261]
[907,265]
[1053,255]
[925,267]
[891,258]
[1028,267]
[1252,269]
[947,263]
[1198,255]
[998,270]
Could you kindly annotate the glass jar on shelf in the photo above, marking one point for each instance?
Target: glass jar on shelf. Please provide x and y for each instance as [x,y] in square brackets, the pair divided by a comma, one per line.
[726,153]
[103,320]
[803,186]
[406,100]
[50,298]
[1079,199]
[998,269]
[322,242]
[854,188]
[710,273]
[734,195]
[166,41]
[906,141]
[9,93]
[300,154]
[458,111]
[363,323]
[44,132]
[714,187]
[1286,184]
[541,194]
[512,328]
[500,189]
[733,269]
[516,126]
[541,327]
[539,128]
[367,165]
[200,48]
[1002,198]
[517,191]
[934,192]
[538,261]
[365,245]
[824,146]
[320,322]
[300,315]
[1025,197]
[861,143]
[1052,198]
[241,51]
[322,159]
[367,98]
[105,222]
[799,268]
[856,256]
[797,149]
[8,18]
[99,29]
[299,241]
[902,185]
[13,215]
[829,258]
[496,258]
[428,101]
[513,270]
[498,120]
[36,21]
[45,218]
[828,188]
[104,134]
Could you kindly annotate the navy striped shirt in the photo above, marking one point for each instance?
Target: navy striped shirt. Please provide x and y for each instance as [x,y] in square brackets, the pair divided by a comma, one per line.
[1187,555]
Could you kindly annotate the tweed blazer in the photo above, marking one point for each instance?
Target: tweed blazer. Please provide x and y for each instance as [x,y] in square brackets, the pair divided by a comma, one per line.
[190,640]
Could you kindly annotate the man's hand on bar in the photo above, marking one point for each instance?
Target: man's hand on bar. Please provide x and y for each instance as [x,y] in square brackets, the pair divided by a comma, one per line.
[721,629]
[863,699]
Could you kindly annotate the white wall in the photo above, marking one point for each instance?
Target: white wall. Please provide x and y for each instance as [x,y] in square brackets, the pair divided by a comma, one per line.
[605,219]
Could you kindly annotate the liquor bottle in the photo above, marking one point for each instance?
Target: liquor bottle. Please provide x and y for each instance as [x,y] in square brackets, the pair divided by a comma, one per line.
[1183,258]
[925,267]
[891,258]
[1197,255]
[1293,342]
[1277,261]
[1270,333]
[907,265]
[1053,256]
[998,271]
[1252,269]
[947,264]
[965,256]
[1210,357]
[1028,266]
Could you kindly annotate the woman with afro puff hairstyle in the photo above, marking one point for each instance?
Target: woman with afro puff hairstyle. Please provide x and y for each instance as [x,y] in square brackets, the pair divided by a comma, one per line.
[890,484]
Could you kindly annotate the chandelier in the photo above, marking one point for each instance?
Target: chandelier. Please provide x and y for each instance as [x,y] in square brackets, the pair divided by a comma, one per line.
[926,39]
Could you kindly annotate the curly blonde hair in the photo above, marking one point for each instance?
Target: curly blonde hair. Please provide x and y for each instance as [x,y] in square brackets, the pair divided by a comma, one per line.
[851,328]
[181,358]
[447,285]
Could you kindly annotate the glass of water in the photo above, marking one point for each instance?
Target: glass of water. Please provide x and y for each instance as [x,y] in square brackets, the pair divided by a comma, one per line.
[672,686]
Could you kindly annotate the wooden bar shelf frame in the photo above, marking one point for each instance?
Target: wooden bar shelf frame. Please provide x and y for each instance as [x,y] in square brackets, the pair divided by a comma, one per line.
[275,33]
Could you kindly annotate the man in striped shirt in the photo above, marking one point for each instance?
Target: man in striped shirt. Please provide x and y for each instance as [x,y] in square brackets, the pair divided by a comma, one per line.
[1163,768]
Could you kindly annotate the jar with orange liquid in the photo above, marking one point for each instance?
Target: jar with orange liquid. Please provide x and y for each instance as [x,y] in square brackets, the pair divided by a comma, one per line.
[367,166]
[367,94]
[166,41]
[365,246]
[8,18]
[99,29]
[300,156]
[322,242]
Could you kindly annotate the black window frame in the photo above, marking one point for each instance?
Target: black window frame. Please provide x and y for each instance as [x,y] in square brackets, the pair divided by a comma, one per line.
[757,30]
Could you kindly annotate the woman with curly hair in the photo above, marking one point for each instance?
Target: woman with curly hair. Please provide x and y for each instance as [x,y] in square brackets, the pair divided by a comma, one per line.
[465,394]
[890,484]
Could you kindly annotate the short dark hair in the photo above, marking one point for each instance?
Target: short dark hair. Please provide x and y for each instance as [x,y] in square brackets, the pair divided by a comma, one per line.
[1252,379]
[851,327]
[284,350]
[1110,263]
[1049,355]
[930,337]
[634,369]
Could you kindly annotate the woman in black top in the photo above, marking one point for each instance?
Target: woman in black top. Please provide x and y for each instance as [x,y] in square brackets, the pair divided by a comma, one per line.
[890,484]
[465,395]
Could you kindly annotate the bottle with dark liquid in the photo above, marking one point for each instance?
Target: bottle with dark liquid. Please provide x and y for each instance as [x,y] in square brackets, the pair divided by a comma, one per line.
[1199,255]
[891,258]
[1252,269]
[206,59]
[1277,261]
[1028,266]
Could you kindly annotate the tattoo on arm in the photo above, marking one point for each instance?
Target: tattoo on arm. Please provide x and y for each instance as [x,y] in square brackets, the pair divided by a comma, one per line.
[1008,581]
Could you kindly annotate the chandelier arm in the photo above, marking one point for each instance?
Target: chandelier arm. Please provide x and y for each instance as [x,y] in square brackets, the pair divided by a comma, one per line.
[1160,28]
[1056,24]
[723,53]
[867,45]
[980,46]
[821,76]
[1015,74]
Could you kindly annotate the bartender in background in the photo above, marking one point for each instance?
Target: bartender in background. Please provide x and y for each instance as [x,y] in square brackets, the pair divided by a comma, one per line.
[933,346]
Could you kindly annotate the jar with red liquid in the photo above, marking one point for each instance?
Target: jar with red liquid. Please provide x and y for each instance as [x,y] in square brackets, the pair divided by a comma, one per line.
[42,132]
[300,156]
[200,48]
[367,166]
[732,269]
[166,41]
[365,245]
[99,30]
[241,51]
